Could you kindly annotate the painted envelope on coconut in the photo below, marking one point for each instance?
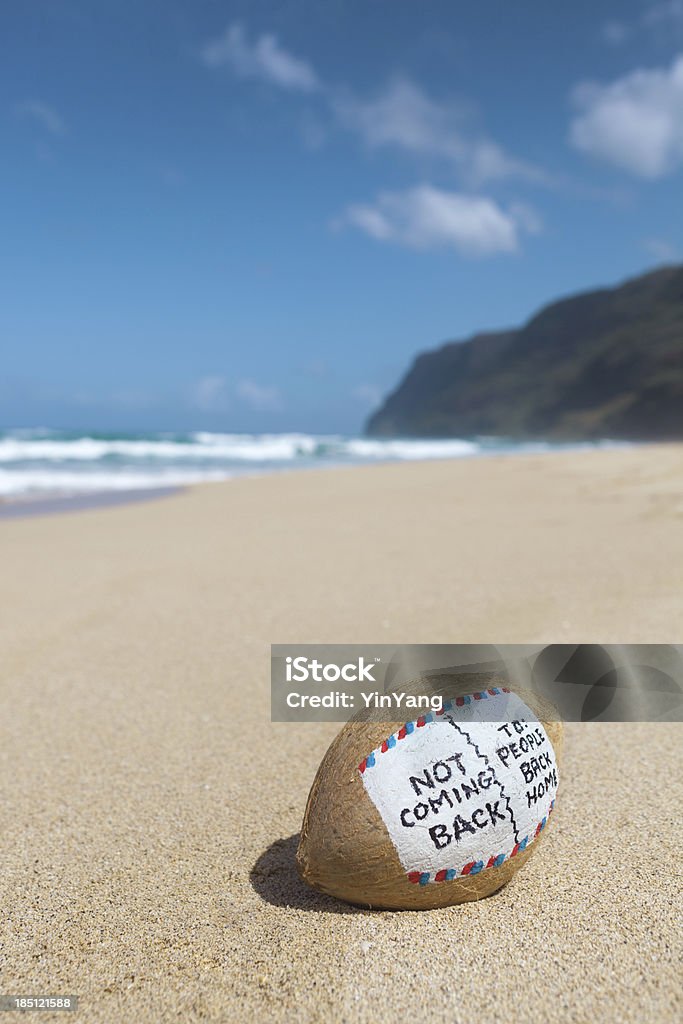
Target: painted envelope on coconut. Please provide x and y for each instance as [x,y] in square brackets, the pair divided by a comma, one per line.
[444,809]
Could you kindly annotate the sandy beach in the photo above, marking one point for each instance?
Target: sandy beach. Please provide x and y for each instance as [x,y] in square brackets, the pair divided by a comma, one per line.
[150,808]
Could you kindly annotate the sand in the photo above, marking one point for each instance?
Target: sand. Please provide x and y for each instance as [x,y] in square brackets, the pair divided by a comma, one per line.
[149,809]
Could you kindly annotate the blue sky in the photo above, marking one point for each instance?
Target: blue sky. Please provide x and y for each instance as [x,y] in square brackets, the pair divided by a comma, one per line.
[251,216]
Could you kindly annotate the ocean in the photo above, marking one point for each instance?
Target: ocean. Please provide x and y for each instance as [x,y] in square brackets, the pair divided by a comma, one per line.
[39,462]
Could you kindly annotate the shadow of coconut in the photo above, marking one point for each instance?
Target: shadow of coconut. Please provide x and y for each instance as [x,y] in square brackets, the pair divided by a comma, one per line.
[275,879]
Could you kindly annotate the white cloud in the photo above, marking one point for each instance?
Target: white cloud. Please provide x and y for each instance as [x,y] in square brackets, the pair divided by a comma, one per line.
[661,249]
[401,115]
[660,19]
[615,32]
[43,114]
[668,14]
[210,394]
[526,217]
[367,394]
[404,116]
[425,217]
[263,399]
[373,220]
[263,59]
[636,122]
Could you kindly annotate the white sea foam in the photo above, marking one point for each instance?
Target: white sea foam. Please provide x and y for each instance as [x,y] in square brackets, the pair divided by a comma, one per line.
[241,447]
[366,448]
[42,461]
[15,483]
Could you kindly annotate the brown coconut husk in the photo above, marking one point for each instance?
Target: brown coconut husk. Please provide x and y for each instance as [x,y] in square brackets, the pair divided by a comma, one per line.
[344,847]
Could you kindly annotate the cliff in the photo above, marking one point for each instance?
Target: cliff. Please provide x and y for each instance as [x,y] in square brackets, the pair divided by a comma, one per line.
[605,363]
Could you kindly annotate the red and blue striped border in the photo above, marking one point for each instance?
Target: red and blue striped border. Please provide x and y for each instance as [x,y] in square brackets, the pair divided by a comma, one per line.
[475,866]
[405,730]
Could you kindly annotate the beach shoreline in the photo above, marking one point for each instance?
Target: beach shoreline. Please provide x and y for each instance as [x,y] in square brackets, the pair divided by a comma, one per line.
[59,504]
[56,501]
[150,808]
[75,468]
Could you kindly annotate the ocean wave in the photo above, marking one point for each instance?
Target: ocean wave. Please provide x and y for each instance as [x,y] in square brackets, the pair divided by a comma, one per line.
[42,447]
[366,448]
[248,448]
[14,483]
[41,460]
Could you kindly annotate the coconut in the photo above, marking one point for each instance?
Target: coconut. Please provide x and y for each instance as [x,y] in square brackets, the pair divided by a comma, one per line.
[439,810]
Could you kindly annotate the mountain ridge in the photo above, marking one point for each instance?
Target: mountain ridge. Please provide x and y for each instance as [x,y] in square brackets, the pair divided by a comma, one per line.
[602,363]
